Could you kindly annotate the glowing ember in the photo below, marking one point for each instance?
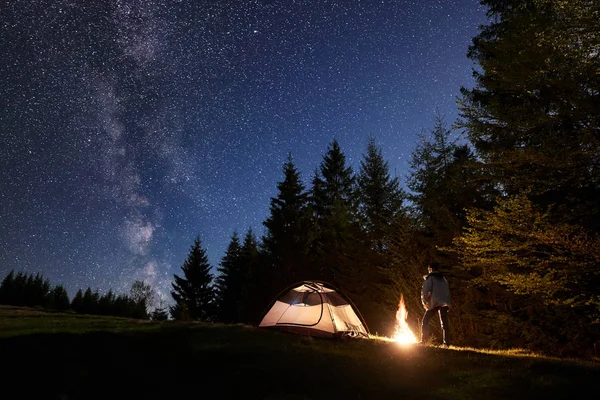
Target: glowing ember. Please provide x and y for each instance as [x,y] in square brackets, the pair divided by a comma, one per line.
[403,333]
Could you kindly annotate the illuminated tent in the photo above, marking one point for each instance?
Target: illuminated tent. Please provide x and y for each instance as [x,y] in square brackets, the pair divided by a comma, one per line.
[314,308]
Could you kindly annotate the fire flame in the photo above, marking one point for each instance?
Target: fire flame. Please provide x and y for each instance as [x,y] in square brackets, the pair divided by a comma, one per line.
[403,333]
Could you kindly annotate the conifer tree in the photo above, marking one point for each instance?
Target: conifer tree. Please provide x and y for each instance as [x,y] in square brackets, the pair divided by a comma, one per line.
[286,240]
[160,313]
[193,293]
[380,198]
[533,114]
[334,206]
[380,214]
[59,298]
[124,306]
[445,180]
[77,302]
[8,289]
[256,292]
[334,185]
[89,304]
[37,291]
[106,303]
[229,282]
[20,285]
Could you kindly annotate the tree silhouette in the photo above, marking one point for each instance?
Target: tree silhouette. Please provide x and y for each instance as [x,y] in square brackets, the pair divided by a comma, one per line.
[193,293]
[333,200]
[286,240]
[380,198]
[77,302]
[8,289]
[229,283]
[59,299]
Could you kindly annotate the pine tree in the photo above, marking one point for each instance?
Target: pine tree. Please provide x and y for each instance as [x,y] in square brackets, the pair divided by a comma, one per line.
[90,300]
[60,298]
[256,292]
[7,289]
[334,206]
[106,303]
[193,293]
[381,211]
[286,240]
[445,180]
[380,198]
[20,285]
[77,302]
[160,313]
[334,185]
[125,307]
[533,114]
[229,282]
[37,291]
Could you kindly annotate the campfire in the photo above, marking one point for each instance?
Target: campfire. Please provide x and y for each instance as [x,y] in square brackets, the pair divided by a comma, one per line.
[403,333]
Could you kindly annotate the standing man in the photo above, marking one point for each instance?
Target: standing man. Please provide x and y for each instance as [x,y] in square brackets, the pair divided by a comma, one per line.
[435,297]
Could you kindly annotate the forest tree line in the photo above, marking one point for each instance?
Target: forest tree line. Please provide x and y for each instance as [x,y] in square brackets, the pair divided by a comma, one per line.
[29,290]
[511,212]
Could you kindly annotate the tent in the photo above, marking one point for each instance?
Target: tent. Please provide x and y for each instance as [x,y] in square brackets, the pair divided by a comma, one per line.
[314,308]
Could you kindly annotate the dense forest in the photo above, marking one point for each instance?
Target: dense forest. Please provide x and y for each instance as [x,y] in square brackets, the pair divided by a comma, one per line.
[506,199]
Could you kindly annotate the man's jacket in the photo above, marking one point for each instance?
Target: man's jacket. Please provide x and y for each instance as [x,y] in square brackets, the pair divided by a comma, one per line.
[436,291]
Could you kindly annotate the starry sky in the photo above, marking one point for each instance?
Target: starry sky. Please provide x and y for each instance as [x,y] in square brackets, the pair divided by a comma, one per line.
[128,127]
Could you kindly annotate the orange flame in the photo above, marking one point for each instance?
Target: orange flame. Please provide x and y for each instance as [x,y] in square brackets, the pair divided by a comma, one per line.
[403,333]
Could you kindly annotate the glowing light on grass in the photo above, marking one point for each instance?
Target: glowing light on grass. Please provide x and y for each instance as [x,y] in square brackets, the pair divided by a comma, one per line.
[403,333]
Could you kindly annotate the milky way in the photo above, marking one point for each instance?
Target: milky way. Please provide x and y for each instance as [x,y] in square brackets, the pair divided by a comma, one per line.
[128,127]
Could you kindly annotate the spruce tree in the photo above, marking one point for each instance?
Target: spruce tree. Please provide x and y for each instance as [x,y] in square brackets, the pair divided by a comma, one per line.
[381,211]
[20,285]
[89,304]
[77,302]
[106,303]
[160,313]
[334,185]
[445,179]
[229,282]
[380,198]
[59,298]
[336,245]
[193,293]
[8,289]
[37,291]
[533,114]
[256,292]
[286,239]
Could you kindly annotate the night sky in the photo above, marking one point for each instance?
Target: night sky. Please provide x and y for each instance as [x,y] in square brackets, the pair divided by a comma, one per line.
[127,127]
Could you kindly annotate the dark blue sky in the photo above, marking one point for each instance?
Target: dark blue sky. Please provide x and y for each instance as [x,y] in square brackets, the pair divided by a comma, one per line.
[130,126]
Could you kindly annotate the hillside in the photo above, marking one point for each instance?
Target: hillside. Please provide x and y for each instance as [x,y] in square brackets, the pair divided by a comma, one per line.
[69,356]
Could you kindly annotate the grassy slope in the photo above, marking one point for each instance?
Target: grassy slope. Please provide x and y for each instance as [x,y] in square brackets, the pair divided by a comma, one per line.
[53,355]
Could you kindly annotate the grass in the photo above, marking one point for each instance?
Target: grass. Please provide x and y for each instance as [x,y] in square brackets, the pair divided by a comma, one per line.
[66,356]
